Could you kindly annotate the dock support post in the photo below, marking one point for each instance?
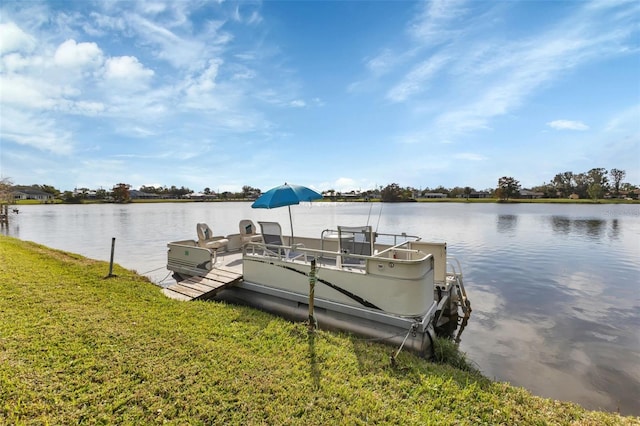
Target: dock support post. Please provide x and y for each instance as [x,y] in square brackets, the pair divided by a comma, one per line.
[113,245]
[4,214]
[313,324]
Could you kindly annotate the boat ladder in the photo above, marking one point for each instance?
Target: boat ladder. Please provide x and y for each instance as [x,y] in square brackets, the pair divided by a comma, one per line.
[455,275]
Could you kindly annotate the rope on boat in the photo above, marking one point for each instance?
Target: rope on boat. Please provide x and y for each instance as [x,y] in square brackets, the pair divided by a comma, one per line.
[153,270]
[379,216]
[378,339]
[346,292]
[394,356]
[166,276]
[369,215]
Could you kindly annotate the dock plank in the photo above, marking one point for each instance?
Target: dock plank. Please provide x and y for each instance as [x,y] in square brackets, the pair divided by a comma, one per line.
[203,287]
[187,291]
[221,274]
[175,295]
[213,282]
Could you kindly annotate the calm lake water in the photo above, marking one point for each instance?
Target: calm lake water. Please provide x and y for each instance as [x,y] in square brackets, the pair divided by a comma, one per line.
[554,288]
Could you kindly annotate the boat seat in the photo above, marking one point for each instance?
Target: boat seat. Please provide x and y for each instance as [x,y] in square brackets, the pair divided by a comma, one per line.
[272,236]
[206,239]
[248,232]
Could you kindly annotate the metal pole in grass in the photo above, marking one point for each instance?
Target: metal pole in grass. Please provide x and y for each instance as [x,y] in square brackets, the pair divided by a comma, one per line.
[313,324]
[113,246]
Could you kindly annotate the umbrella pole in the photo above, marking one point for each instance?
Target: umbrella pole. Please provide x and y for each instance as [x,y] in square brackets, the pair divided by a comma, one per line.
[291,223]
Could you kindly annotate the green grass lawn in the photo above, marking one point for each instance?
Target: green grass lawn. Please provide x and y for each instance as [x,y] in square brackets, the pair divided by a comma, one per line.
[78,348]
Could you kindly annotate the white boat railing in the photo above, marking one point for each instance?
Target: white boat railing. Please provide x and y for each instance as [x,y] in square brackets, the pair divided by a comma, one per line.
[405,237]
[452,262]
[300,253]
[395,249]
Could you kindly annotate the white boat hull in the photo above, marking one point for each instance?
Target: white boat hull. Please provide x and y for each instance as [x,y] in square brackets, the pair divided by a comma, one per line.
[409,292]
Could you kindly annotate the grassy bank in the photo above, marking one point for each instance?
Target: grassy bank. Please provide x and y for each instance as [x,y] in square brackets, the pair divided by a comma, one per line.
[76,347]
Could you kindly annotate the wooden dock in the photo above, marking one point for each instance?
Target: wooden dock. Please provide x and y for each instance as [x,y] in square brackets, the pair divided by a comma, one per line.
[204,287]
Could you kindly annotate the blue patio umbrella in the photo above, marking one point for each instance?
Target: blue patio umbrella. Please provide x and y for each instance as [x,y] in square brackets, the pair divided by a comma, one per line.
[285,195]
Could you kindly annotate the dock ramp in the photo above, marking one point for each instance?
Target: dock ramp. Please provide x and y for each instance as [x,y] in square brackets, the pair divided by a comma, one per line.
[204,287]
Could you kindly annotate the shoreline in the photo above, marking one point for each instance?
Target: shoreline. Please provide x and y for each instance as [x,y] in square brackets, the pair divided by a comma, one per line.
[81,346]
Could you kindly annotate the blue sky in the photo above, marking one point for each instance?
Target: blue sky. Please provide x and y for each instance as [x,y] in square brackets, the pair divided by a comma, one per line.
[333,95]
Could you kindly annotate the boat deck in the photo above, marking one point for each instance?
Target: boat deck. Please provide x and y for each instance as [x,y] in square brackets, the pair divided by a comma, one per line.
[226,273]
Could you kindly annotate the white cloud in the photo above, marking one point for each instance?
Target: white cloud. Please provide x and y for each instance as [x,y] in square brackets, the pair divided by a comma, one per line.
[254,18]
[567,125]
[627,120]
[433,24]
[485,78]
[27,92]
[298,103]
[126,68]
[382,63]
[470,156]
[14,39]
[152,7]
[345,184]
[35,130]
[251,18]
[413,138]
[87,108]
[71,54]
[206,81]
[417,78]
[180,50]
[105,22]
[16,62]
[511,72]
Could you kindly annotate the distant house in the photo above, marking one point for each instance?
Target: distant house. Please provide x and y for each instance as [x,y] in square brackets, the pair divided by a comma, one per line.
[201,196]
[253,195]
[634,194]
[351,195]
[434,195]
[135,194]
[31,194]
[528,194]
[89,194]
[574,196]
[480,194]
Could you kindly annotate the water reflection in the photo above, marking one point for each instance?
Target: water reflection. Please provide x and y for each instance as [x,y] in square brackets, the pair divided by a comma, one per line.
[614,230]
[592,228]
[507,222]
[561,224]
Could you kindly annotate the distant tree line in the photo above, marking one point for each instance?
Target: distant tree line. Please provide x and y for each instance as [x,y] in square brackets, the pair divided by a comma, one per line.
[595,184]
[173,191]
